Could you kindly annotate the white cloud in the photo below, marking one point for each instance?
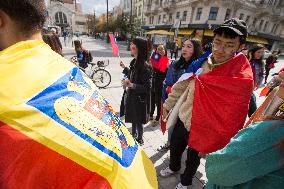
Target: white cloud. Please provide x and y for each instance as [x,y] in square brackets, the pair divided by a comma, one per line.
[98,5]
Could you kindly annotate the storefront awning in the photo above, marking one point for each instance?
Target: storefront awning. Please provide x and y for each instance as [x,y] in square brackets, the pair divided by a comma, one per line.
[159,32]
[185,31]
[257,39]
[209,33]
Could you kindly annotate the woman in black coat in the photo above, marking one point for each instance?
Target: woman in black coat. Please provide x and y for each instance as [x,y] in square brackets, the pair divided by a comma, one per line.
[138,85]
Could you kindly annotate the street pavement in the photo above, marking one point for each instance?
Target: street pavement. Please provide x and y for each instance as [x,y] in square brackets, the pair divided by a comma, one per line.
[153,137]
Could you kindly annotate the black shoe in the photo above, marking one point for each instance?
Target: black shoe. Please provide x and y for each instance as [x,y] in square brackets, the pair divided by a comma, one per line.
[134,136]
[140,141]
[163,148]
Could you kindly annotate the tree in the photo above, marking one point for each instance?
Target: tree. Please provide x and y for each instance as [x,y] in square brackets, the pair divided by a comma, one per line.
[91,23]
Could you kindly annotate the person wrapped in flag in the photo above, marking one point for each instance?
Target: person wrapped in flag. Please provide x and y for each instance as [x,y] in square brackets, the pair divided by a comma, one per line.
[254,157]
[56,130]
[216,104]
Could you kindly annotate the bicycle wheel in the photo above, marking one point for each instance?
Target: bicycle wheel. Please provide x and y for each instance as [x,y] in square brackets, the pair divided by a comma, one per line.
[101,78]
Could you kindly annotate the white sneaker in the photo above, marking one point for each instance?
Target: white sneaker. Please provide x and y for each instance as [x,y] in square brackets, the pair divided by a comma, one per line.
[180,186]
[166,172]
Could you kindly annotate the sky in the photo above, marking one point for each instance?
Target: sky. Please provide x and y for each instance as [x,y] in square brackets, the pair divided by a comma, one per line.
[98,5]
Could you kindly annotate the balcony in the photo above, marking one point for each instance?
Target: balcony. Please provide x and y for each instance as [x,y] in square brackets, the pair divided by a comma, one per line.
[168,5]
[147,10]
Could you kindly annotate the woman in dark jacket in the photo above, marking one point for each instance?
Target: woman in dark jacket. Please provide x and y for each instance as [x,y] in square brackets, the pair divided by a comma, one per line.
[138,86]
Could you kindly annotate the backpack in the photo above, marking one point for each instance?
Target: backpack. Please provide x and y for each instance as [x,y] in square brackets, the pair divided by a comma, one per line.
[87,56]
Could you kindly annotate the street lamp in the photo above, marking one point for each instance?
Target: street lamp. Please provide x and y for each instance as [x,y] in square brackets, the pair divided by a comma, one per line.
[107,13]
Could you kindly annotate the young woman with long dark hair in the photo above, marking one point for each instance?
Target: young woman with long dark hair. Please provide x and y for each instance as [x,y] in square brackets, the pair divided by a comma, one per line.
[191,50]
[255,56]
[138,85]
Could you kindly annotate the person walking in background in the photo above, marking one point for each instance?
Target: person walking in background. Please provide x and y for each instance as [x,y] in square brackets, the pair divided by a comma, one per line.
[138,87]
[190,51]
[65,35]
[83,56]
[159,62]
[174,50]
[269,63]
[255,56]
[53,41]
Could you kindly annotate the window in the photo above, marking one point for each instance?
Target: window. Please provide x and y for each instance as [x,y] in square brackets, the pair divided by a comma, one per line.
[80,23]
[260,24]
[164,18]
[213,13]
[273,28]
[184,16]
[228,13]
[177,16]
[139,11]
[151,19]
[265,26]
[198,14]
[170,17]
[241,16]
[272,2]
[161,2]
[247,19]
[159,19]
[276,28]
[254,22]
[275,3]
[60,18]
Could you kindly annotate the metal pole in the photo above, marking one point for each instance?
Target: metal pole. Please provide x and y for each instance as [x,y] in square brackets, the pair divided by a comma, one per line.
[130,25]
[107,38]
[107,13]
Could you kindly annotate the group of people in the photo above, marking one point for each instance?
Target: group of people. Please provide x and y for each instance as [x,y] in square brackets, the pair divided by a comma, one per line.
[214,92]
[205,96]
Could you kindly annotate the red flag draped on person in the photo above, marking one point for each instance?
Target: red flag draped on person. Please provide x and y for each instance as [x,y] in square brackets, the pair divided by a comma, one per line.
[220,102]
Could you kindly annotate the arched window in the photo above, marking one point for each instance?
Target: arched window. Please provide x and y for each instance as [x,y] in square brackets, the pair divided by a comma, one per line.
[60,18]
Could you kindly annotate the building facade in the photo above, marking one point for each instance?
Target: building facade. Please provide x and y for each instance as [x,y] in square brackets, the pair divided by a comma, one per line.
[67,14]
[125,5]
[265,18]
[139,10]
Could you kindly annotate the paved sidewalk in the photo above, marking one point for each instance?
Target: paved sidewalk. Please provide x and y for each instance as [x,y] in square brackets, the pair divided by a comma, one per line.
[153,137]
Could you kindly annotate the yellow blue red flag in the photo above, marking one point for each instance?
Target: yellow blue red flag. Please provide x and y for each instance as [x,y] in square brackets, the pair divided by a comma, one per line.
[57,131]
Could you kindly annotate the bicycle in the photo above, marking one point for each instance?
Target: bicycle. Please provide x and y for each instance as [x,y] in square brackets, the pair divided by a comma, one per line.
[99,75]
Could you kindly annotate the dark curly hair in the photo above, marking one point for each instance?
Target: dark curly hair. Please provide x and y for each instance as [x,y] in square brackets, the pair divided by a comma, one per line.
[29,14]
